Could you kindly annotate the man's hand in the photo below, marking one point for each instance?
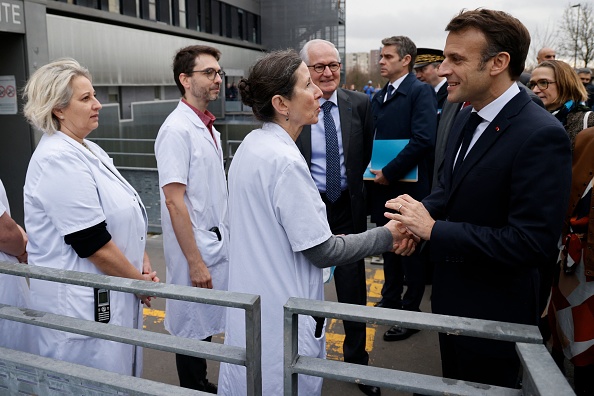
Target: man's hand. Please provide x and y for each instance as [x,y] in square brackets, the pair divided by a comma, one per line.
[379,177]
[199,275]
[412,214]
[404,241]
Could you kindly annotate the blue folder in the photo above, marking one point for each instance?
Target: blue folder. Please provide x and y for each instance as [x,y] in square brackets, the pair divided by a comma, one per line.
[385,151]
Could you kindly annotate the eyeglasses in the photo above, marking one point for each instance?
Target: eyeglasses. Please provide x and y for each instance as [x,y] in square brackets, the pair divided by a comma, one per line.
[541,84]
[319,68]
[210,73]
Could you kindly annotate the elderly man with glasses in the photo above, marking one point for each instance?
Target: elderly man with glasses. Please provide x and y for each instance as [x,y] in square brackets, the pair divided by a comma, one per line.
[194,205]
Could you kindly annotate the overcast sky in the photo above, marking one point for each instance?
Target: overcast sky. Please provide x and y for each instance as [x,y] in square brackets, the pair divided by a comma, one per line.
[424,21]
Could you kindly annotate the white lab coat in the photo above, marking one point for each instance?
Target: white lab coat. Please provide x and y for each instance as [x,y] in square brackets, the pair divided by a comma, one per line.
[187,154]
[13,291]
[275,212]
[68,189]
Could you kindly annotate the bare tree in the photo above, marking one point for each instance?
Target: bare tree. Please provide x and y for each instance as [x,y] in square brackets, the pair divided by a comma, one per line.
[577,33]
[543,36]
[355,76]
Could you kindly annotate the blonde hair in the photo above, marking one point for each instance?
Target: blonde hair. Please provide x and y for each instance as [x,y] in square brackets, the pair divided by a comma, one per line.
[48,89]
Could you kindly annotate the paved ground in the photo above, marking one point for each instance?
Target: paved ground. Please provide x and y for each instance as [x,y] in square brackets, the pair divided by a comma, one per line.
[417,354]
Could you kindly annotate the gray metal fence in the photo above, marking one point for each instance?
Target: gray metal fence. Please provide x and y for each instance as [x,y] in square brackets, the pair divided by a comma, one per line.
[39,370]
[540,373]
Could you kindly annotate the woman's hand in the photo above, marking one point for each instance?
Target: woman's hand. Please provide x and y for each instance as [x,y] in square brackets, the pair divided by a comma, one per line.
[404,242]
[148,275]
[147,269]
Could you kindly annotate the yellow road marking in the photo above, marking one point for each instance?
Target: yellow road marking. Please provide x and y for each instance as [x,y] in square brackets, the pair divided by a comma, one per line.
[155,315]
[334,330]
[335,336]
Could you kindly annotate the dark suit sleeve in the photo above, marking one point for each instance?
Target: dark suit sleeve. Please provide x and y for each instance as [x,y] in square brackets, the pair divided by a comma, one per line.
[541,174]
[368,131]
[422,140]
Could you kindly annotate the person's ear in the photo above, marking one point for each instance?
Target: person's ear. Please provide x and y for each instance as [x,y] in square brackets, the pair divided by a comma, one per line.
[184,79]
[406,60]
[58,113]
[500,63]
[280,104]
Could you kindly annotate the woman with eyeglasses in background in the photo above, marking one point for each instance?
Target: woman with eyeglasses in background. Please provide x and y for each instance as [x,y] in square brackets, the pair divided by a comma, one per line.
[572,296]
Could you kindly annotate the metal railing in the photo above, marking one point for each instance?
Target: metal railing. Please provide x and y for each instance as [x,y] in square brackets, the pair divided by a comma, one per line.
[250,356]
[540,373]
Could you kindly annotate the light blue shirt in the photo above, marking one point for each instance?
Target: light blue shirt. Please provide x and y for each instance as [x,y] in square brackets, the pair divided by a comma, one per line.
[318,147]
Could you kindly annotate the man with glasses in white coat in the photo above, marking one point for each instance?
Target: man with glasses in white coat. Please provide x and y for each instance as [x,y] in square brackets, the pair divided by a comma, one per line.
[194,205]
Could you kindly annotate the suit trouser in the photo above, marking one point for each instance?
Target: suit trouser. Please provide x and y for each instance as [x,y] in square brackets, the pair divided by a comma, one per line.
[191,370]
[396,268]
[469,364]
[349,279]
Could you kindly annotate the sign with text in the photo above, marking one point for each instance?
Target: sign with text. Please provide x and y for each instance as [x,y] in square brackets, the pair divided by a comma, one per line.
[8,95]
[12,18]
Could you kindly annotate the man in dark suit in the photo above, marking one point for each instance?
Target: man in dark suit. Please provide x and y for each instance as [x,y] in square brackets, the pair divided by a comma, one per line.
[349,114]
[405,108]
[426,66]
[495,216]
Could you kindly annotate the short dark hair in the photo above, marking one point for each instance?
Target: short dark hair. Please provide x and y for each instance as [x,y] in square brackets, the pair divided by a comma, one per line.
[274,74]
[404,46]
[503,33]
[185,60]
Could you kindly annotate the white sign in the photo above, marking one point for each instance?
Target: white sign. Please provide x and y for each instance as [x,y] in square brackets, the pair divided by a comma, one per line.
[11,16]
[8,95]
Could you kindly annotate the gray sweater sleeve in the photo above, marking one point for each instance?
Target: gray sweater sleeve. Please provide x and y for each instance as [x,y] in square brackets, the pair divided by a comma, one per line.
[340,250]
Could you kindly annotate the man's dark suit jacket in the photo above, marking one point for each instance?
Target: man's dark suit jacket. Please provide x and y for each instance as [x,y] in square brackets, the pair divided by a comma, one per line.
[356,125]
[448,114]
[409,114]
[500,219]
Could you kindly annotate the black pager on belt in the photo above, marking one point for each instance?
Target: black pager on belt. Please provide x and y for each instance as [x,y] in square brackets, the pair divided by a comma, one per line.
[102,308]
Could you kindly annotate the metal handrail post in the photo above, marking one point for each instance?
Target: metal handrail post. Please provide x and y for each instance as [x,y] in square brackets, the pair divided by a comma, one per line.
[291,352]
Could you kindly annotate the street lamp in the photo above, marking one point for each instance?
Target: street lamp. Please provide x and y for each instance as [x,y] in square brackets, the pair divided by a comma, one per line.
[577,33]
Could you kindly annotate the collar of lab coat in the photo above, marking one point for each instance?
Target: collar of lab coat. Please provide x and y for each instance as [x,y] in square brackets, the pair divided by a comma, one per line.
[97,156]
[193,117]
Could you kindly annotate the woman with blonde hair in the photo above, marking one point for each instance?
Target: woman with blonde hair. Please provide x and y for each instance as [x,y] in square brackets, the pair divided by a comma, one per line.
[572,296]
[81,215]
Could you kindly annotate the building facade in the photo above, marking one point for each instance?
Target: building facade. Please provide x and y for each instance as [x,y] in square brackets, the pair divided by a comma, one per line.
[128,46]
[358,60]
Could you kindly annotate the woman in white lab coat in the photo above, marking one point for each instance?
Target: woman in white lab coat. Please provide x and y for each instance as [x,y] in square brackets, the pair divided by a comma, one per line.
[280,238]
[80,215]
[13,289]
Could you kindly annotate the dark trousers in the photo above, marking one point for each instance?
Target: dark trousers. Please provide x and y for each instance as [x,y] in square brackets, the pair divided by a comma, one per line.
[349,279]
[468,364]
[396,268]
[191,370]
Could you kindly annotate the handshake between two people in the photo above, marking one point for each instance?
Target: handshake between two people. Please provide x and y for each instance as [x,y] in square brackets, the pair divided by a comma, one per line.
[410,223]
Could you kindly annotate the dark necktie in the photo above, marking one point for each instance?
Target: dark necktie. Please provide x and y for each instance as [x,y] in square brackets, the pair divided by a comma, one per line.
[390,91]
[473,121]
[332,155]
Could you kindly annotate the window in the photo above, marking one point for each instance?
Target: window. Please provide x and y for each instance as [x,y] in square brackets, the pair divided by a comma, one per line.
[128,7]
[241,24]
